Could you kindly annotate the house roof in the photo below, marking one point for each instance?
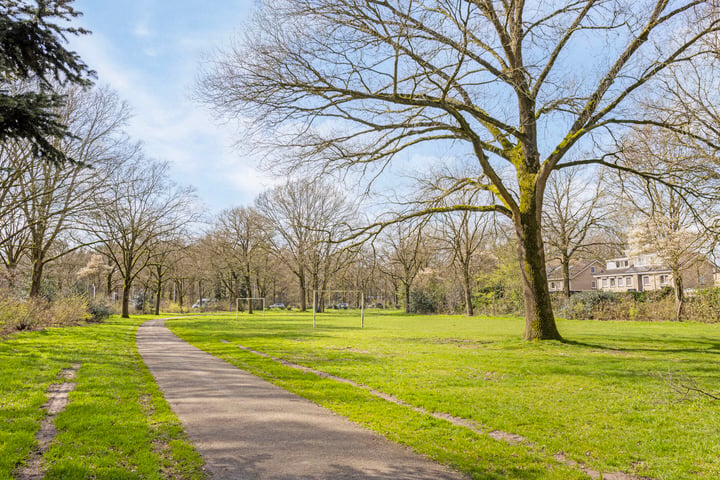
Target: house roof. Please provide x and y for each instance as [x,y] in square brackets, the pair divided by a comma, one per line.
[576,269]
[633,271]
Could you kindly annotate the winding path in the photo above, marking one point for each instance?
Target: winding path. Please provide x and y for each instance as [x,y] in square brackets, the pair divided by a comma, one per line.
[246,428]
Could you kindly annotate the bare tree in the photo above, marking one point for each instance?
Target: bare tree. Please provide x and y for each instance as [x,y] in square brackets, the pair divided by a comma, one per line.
[53,196]
[465,235]
[168,252]
[309,217]
[404,254]
[142,208]
[574,210]
[517,84]
[243,234]
[668,222]
[14,236]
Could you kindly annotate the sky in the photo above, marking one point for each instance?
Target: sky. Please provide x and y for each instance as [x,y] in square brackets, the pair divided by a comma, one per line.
[151,52]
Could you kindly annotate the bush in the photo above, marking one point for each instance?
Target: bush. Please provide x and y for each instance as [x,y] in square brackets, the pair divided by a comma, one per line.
[99,311]
[34,313]
[17,314]
[704,306]
[68,311]
[427,300]
[588,305]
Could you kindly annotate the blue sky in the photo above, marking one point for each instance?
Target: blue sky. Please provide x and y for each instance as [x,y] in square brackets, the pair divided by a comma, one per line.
[150,52]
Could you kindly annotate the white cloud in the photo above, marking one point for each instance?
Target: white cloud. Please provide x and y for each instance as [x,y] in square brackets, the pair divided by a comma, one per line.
[142,30]
[175,129]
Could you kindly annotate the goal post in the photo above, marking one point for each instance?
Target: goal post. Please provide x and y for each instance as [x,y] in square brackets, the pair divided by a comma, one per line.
[362,304]
[248,300]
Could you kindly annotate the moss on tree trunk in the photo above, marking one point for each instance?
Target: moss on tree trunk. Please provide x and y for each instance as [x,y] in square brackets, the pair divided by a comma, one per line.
[539,318]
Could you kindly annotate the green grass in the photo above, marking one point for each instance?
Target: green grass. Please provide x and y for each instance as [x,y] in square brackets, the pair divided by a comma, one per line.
[605,399]
[116,425]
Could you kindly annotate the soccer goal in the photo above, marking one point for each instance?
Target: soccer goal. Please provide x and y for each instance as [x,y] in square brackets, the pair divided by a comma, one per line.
[247,300]
[328,292]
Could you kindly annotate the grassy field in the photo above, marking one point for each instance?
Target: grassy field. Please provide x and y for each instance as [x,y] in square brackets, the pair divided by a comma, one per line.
[610,399]
[116,425]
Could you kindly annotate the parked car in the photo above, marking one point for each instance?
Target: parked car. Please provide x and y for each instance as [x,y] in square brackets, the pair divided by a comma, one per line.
[202,302]
[278,305]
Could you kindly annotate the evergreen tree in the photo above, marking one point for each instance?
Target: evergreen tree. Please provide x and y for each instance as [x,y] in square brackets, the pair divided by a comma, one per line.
[32,50]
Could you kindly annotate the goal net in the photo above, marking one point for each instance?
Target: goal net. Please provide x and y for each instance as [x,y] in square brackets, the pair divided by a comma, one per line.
[249,303]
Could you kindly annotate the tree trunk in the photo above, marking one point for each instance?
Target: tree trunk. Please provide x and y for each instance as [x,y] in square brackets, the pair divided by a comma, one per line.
[407,297]
[181,295]
[36,279]
[539,319]
[158,292]
[679,294]
[248,288]
[303,291]
[467,287]
[566,276]
[126,300]
[108,285]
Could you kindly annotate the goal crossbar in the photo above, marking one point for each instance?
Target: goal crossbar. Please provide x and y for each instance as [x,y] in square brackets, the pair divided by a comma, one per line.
[248,299]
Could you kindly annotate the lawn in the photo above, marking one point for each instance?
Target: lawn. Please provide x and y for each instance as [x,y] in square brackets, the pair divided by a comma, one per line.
[610,399]
[116,424]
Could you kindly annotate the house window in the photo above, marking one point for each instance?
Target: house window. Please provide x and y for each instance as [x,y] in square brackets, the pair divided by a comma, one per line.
[594,285]
[604,282]
[628,282]
[552,285]
[592,269]
[612,282]
[663,279]
[621,282]
[646,279]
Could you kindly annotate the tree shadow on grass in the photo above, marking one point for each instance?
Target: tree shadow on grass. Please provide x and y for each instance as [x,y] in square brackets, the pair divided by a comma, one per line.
[704,346]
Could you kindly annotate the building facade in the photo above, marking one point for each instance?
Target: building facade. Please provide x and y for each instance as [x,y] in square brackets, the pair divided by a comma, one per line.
[647,273]
[581,276]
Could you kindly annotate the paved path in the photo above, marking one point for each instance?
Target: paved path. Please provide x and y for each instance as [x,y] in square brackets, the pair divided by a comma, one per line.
[246,428]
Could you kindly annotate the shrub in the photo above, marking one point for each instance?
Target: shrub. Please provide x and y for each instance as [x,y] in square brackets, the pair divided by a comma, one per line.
[68,311]
[588,305]
[100,311]
[17,314]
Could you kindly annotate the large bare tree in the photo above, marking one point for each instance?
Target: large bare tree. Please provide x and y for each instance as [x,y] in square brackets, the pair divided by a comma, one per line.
[516,84]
